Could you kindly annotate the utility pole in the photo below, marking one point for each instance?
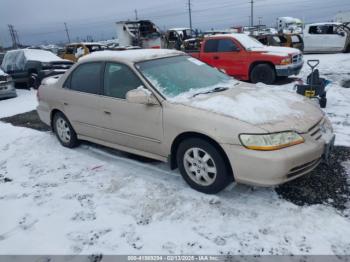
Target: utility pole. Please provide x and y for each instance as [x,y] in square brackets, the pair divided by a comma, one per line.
[67,32]
[17,38]
[13,36]
[190,13]
[252,13]
[136,17]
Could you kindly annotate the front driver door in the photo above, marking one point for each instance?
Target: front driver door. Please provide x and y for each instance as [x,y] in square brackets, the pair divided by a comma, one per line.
[132,125]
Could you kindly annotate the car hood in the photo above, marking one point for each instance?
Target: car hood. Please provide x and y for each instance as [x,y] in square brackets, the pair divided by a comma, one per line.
[265,107]
[275,50]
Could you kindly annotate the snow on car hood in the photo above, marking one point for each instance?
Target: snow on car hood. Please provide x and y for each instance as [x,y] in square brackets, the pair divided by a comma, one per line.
[264,107]
[275,50]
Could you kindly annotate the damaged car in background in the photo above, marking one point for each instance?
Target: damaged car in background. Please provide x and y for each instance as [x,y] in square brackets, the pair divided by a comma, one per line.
[7,87]
[30,66]
[166,105]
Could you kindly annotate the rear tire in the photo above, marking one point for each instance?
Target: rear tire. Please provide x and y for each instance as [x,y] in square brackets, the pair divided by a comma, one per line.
[263,73]
[202,166]
[64,131]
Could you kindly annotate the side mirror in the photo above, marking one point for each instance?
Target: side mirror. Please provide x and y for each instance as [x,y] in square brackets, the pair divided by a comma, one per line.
[141,96]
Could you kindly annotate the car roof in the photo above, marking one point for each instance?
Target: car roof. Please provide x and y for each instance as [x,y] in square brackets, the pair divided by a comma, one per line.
[130,56]
[325,23]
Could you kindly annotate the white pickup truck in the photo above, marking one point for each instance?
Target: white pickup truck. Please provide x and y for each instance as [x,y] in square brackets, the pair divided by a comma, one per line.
[326,37]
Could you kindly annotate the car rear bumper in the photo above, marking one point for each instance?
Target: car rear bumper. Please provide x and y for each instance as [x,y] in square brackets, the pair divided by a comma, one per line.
[271,168]
[288,70]
[7,90]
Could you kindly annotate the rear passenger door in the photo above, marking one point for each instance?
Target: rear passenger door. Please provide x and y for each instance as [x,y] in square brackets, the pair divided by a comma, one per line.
[132,125]
[81,99]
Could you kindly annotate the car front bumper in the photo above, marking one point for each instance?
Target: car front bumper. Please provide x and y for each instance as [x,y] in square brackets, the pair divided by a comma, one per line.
[288,70]
[271,168]
[7,90]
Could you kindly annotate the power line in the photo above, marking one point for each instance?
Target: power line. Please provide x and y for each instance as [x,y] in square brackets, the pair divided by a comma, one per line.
[67,32]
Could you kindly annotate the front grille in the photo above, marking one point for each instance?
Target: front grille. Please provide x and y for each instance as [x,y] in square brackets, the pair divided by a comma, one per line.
[297,58]
[303,168]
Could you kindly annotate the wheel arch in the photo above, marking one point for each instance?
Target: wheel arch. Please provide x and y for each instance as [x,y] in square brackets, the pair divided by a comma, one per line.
[254,64]
[186,135]
[52,114]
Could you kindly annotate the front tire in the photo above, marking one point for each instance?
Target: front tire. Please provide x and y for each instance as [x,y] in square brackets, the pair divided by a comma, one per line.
[33,81]
[263,73]
[64,131]
[202,166]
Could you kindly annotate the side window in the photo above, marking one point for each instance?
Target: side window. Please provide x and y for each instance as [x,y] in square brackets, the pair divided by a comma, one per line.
[226,45]
[119,79]
[87,78]
[211,46]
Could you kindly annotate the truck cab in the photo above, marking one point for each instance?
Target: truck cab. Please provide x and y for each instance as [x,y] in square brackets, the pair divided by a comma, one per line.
[326,38]
[245,58]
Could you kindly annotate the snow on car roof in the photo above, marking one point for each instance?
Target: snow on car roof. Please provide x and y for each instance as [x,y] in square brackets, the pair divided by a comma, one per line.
[325,23]
[37,55]
[245,40]
[85,43]
[130,55]
[40,55]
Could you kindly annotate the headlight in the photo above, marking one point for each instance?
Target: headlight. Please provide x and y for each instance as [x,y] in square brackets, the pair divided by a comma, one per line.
[267,142]
[286,61]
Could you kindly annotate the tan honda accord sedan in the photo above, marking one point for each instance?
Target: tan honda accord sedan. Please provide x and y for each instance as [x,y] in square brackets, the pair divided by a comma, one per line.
[165,105]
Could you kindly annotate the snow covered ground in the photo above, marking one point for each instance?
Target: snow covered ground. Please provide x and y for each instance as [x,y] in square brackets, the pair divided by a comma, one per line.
[55,200]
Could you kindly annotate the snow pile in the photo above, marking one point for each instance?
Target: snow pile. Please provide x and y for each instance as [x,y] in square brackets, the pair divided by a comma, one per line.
[254,106]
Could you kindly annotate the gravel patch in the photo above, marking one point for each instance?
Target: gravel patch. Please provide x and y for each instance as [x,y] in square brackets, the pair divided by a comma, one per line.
[29,119]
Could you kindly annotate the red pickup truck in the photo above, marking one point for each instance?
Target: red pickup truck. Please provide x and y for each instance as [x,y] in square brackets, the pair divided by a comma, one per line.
[245,58]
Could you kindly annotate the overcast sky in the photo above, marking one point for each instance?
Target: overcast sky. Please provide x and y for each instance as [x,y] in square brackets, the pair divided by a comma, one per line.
[40,21]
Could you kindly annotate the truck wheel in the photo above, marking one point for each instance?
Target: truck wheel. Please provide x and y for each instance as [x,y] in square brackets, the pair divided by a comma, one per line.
[33,81]
[263,73]
[202,166]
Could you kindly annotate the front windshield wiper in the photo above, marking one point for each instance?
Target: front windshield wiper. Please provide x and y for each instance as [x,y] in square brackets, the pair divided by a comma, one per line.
[215,90]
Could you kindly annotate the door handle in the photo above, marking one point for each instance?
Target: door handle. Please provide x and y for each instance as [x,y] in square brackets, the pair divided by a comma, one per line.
[107,112]
[216,57]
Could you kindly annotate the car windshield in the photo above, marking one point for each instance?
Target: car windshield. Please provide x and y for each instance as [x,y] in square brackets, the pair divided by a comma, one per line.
[173,76]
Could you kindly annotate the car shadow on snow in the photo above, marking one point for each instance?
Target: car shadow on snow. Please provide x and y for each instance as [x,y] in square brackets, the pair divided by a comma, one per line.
[327,184]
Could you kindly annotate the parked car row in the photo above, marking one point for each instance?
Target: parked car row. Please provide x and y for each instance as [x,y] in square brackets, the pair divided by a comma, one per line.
[7,87]
[30,66]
